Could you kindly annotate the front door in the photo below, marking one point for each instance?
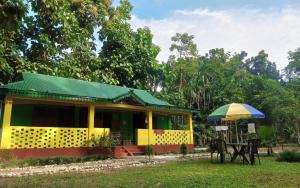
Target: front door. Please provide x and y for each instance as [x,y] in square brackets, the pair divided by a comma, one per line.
[126,128]
[122,127]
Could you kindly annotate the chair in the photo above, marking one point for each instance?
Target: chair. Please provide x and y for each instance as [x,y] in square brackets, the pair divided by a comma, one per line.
[252,149]
[218,146]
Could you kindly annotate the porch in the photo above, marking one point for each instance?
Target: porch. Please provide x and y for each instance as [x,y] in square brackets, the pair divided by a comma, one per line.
[43,123]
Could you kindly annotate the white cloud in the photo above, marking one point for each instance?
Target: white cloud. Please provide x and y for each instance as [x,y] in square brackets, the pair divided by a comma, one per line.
[251,30]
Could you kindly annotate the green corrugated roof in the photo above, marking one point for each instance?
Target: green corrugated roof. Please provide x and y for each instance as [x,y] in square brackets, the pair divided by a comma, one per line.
[58,87]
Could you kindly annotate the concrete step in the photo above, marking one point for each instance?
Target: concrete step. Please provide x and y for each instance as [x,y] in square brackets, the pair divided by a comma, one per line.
[122,151]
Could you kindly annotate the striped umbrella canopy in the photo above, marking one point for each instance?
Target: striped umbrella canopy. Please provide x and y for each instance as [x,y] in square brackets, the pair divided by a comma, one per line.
[235,111]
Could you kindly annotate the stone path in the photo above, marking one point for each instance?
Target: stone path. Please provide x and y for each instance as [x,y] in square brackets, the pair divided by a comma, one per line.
[93,166]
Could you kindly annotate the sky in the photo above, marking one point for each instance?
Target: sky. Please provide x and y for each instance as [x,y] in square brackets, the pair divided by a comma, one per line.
[235,25]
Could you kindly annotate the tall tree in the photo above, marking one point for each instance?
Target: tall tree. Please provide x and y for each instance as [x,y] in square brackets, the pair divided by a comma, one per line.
[184,61]
[292,70]
[129,56]
[11,14]
[60,36]
[184,45]
[261,66]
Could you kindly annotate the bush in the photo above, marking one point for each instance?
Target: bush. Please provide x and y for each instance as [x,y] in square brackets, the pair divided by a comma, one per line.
[105,140]
[289,156]
[265,132]
[183,149]
[251,136]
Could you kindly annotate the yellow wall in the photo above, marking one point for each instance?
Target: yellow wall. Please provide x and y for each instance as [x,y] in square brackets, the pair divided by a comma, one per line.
[164,137]
[51,137]
[151,136]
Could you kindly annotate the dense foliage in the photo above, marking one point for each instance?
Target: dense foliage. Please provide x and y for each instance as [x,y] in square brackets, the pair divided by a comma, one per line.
[289,156]
[93,40]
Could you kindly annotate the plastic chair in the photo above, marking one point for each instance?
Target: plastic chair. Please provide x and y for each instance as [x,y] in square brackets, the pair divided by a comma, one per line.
[218,146]
[252,149]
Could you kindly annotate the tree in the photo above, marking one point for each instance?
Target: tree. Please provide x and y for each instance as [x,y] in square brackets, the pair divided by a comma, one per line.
[11,14]
[278,103]
[60,36]
[184,45]
[261,66]
[292,70]
[129,56]
[184,63]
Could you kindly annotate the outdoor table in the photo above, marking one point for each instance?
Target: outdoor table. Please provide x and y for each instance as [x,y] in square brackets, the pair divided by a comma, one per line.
[239,150]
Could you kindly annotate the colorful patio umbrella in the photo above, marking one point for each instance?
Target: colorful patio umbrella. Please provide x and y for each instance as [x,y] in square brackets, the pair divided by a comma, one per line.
[235,111]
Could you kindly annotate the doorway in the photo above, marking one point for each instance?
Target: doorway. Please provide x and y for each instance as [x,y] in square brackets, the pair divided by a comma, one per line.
[123,124]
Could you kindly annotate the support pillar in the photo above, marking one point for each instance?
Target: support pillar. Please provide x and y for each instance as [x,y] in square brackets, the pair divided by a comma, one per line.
[150,126]
[91,121]
[190,118]
[5,139]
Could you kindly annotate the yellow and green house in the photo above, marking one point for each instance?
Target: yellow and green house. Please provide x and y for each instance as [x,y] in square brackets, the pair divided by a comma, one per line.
[45,115]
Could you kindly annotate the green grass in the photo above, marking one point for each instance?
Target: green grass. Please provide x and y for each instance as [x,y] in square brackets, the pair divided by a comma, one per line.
[198,173]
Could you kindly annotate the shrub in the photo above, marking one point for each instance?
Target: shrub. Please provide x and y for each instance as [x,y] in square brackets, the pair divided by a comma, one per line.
[265,132]
[105,140]
[289,156]
[101,141]
[251,136]
[183,149]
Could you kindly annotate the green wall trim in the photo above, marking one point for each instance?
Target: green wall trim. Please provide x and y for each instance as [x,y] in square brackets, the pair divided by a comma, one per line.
[162,122]
[1,113]
[77,116]
[21,115]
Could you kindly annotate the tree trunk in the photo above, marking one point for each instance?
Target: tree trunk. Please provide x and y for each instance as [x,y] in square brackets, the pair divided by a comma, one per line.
[297,126]
[180,81]
[298,135]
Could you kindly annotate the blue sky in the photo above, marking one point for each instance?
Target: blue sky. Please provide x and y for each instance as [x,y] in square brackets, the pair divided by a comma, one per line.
[162,8]
[235,25]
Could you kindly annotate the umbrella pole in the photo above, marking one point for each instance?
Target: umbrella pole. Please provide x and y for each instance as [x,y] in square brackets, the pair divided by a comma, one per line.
[236,132]
[241,135]
[230,135]
[227,135]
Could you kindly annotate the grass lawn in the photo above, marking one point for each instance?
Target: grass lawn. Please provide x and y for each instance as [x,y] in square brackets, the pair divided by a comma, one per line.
[198,173]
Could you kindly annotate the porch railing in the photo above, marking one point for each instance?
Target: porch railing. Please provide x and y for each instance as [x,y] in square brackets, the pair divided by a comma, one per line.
[158,136]
[52,137]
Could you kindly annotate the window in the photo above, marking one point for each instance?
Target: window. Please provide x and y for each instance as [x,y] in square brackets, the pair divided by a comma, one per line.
[48,115]
[103,119]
